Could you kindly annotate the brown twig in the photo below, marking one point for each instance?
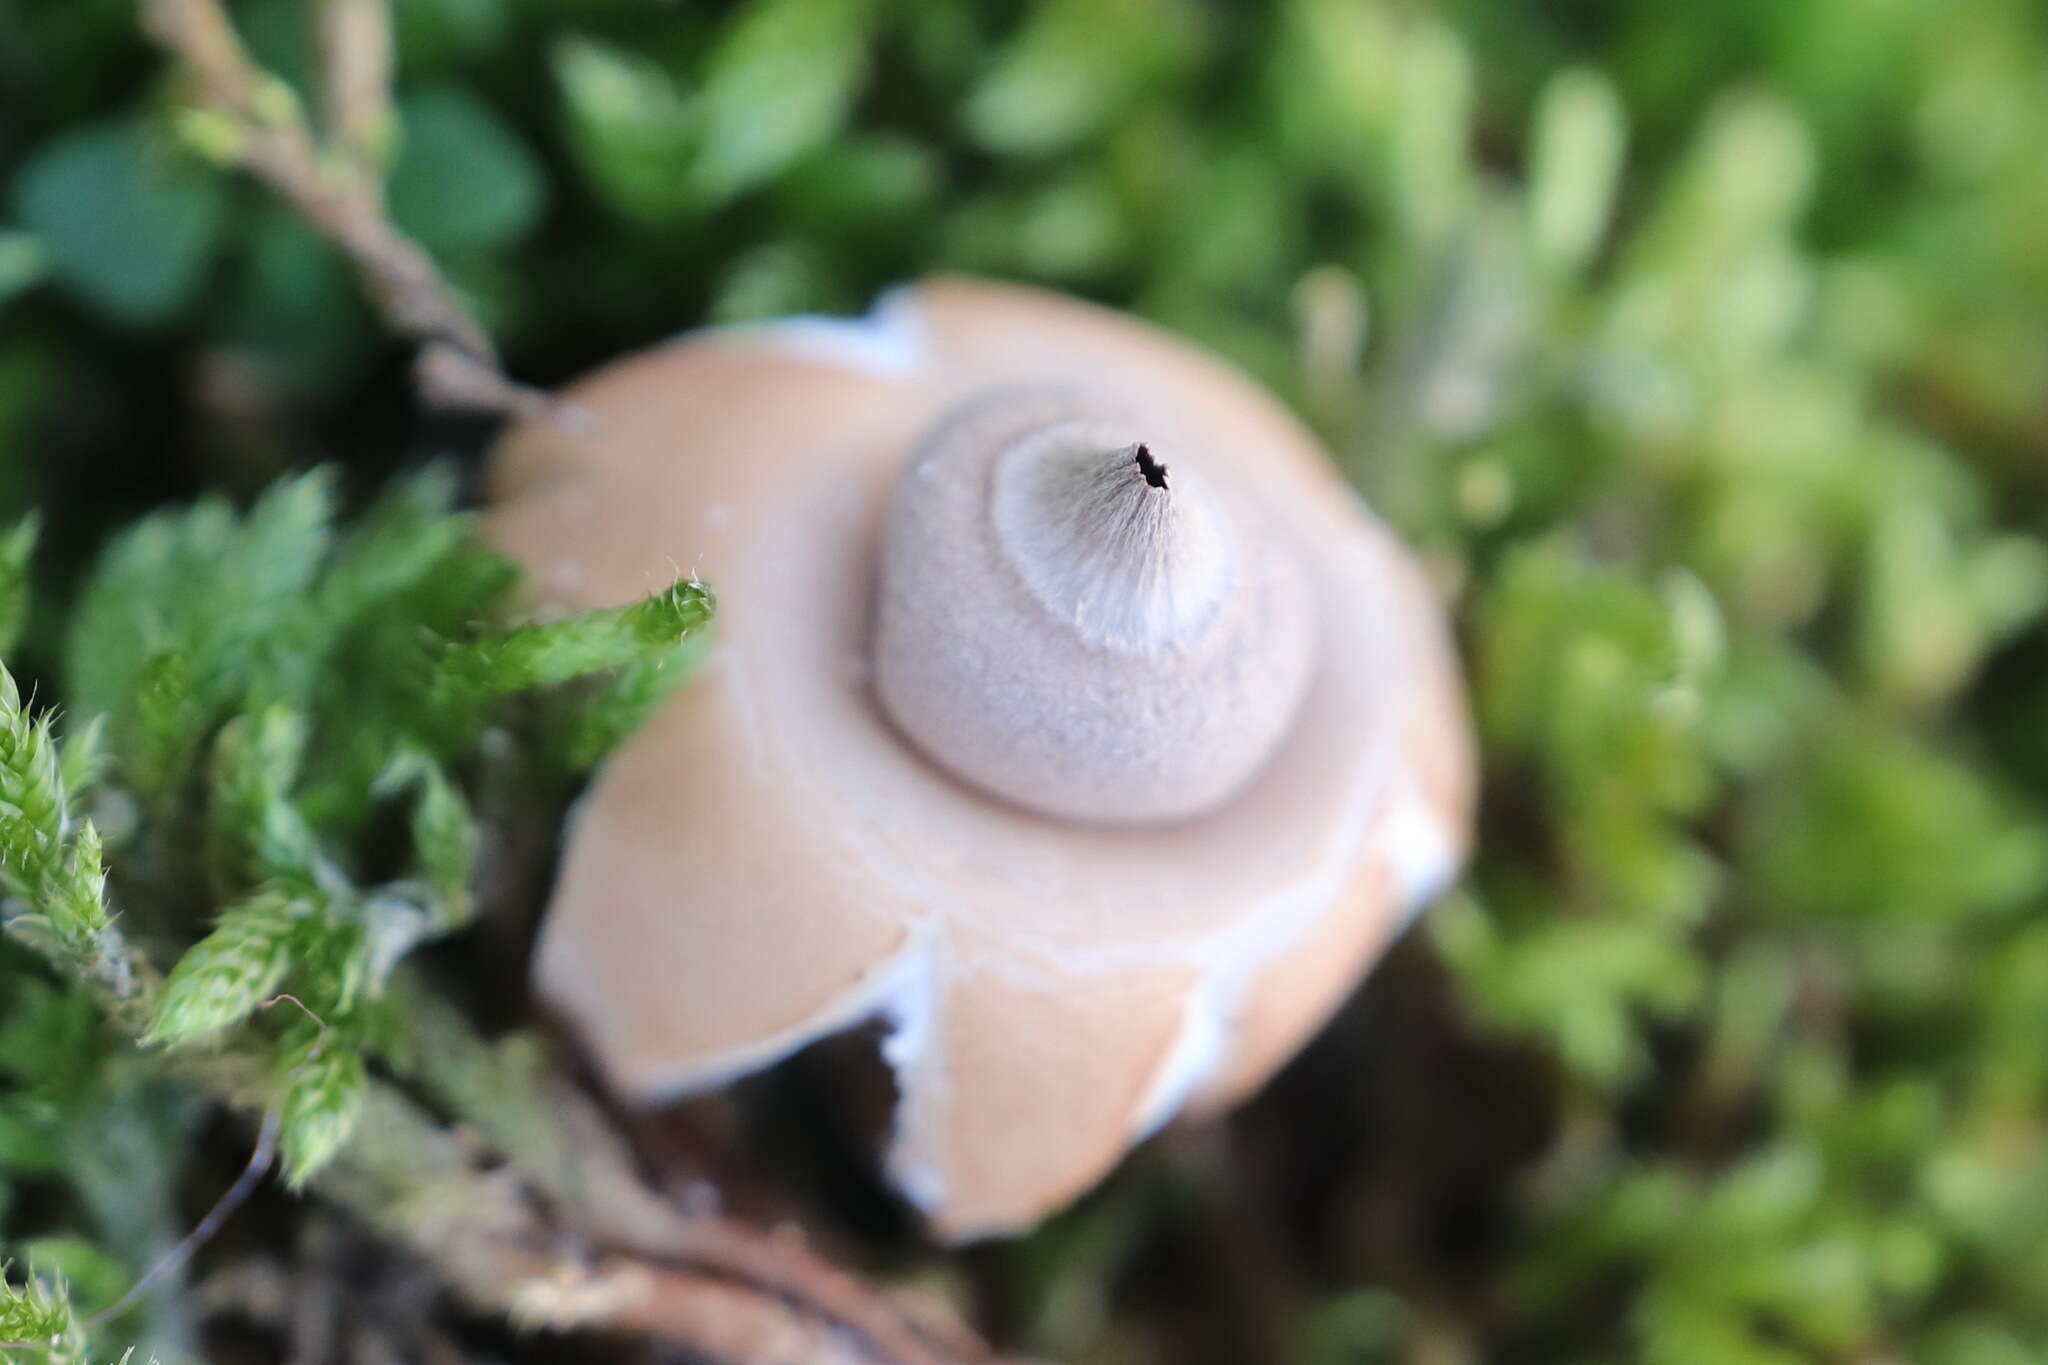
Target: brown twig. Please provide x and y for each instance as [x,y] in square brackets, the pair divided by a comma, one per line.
[630,1242]
[356,114]
[253,120]
[237,1194]
[260,1156]
[618,1260]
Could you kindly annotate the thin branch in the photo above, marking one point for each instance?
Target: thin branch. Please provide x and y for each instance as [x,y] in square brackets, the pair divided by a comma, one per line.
[237,1194]
[582,1173]
[783,1266]
[260,1160]
[335,188]
[448,377]
[356,114]
[506,1245]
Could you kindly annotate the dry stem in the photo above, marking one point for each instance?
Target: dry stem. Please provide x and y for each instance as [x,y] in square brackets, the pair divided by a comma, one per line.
[620,1260]
[355,57]
[336,188]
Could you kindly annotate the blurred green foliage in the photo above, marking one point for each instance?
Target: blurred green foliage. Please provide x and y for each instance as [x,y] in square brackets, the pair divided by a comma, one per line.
[1702,349]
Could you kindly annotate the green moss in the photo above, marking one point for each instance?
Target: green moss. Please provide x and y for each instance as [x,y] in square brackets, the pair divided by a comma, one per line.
[1698,348]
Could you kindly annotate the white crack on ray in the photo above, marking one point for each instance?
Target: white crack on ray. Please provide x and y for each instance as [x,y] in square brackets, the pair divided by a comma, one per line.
[1421,852]
[1207,1030]
[910,1008]
[876,992]
[889,341]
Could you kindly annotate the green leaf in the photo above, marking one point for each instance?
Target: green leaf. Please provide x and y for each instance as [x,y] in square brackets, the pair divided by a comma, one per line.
[168,722]
[258,830]
[444,832]
[222,979]
[631,129]
[1869,824]
[779,85]
[773,280]
[407,580]
[16,546]
[125,225]
[1575,167]
[444,836]
[33,1312]
[561,651]
[1575,982]
[325,1085]
[462,178]
[1598,676]
[90,1276]
[59,878]
[82,760]
[866,185]
[23,263]
[405,539]
[78,903]
[432,34]
[627,700]
[1074,66]
[190,612]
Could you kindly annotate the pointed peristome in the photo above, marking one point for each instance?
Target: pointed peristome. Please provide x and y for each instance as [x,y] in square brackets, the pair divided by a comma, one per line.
[1154,472]
[1127,563]
[1065,634]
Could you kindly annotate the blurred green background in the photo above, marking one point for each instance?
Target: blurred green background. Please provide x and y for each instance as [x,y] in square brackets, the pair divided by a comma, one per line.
[1703,350]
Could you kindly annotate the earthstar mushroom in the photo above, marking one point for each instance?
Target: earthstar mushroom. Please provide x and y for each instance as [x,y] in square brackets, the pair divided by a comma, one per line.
[1067,712]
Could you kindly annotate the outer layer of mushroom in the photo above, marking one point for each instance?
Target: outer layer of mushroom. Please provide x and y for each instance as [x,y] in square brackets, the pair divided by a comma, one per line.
[1066,710]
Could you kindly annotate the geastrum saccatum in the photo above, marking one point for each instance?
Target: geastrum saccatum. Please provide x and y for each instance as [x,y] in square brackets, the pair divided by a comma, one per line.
[1067,711]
